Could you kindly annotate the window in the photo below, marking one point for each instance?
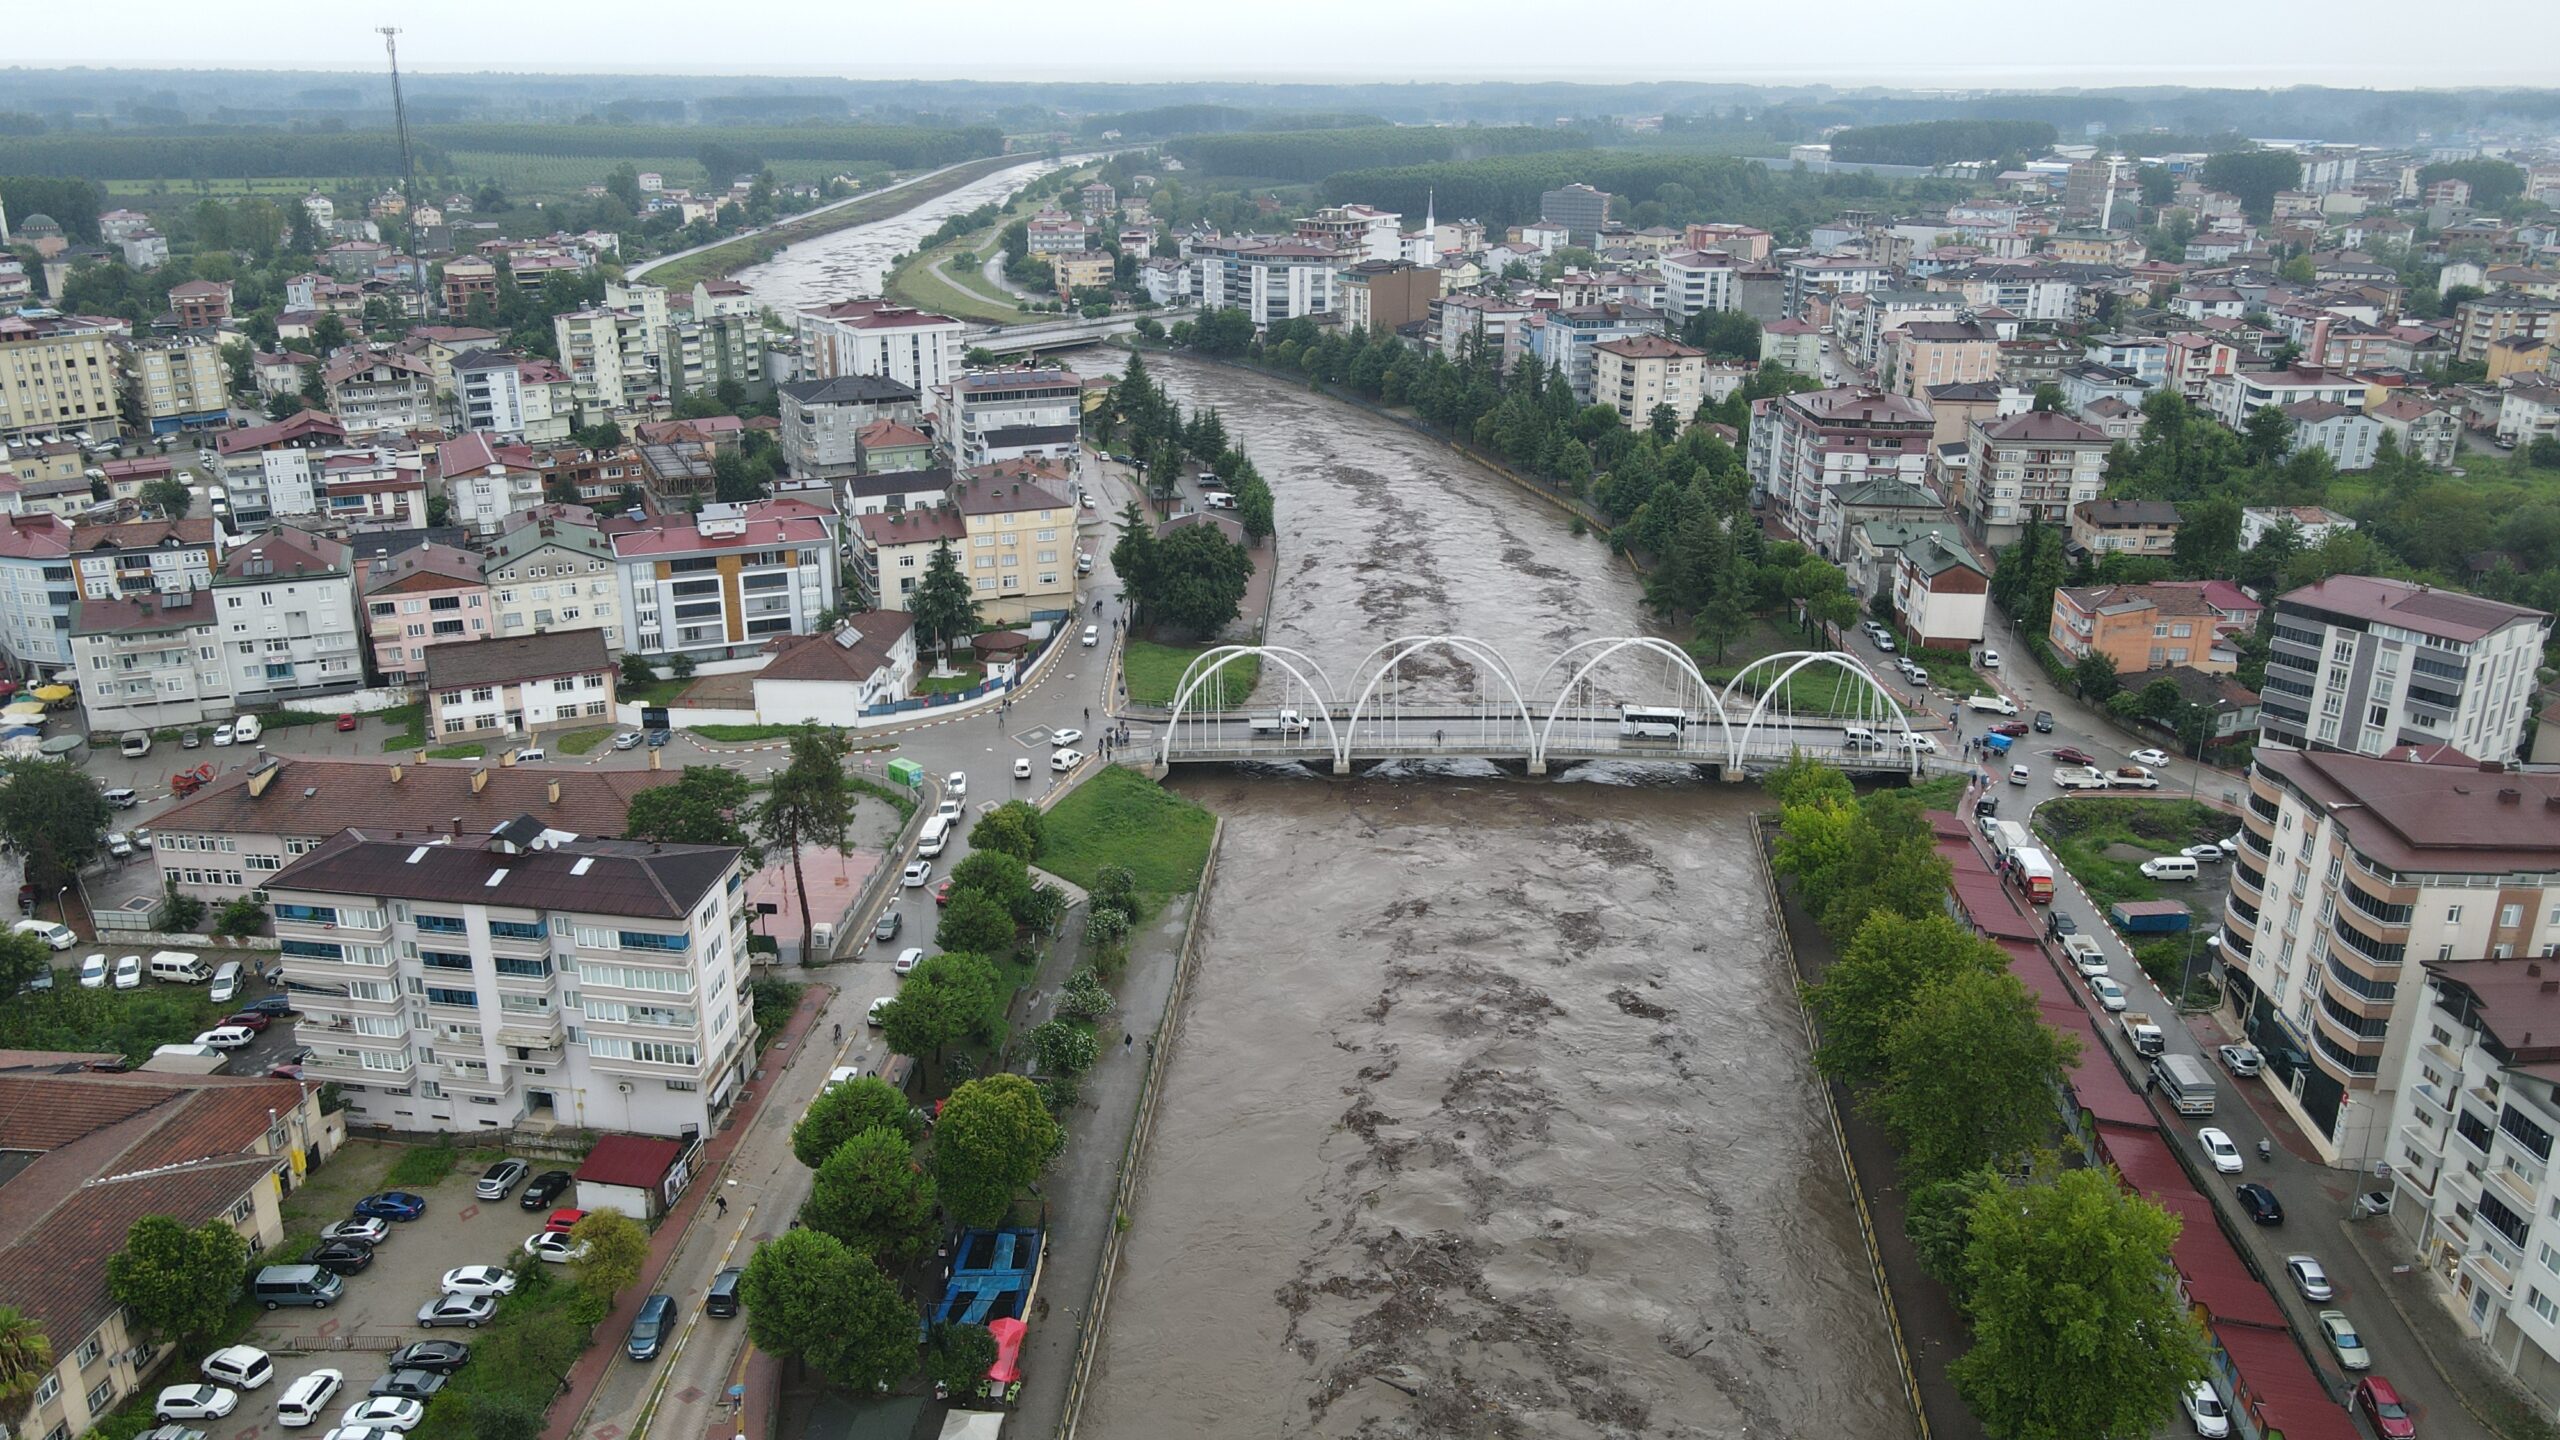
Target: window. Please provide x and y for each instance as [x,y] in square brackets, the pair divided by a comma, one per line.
[440,924]
[462,998]
[2453,914]
[2542,1306]
[2510,916]
[89,1351]
[100,1394]
[51,1386]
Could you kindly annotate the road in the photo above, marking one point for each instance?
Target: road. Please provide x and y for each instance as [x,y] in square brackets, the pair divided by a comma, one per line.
[2315,1198]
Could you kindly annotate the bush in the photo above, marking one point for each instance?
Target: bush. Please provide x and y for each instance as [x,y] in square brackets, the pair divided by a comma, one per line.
[240,917]
[179,914]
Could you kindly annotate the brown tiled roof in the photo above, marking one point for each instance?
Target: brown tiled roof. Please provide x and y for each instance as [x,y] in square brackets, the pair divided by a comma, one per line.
[624,877]
[913,527]
[428,567]
[2438,819]
[507,659]
[2429,611]
[318,798]
[283,553]
[145,535]
[131,617]
[828,657]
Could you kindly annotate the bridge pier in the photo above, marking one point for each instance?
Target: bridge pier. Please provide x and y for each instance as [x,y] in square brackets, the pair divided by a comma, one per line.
[1341,766]
[1537,768]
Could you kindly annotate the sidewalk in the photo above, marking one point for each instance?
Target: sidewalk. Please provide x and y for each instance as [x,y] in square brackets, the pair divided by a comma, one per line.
[588,1374]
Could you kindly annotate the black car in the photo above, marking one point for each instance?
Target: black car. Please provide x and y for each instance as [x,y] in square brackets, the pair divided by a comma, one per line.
[546,1187]
[658,738]
[2044,722]
[2057,924]
[441,1356]
[2260,1202]
[275,1006]
[410,1384]
[1987,806]
[887,929]
[341,1257]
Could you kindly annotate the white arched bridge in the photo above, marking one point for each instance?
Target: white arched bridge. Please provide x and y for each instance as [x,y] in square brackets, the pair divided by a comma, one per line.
[1610,698]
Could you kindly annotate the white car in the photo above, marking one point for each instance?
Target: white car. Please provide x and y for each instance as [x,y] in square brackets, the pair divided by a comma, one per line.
[2218,1147]
[2229,844]
[195,1402]
[1066,760]
[388,1411]
[2153,758]
[221,735]
[916,873]
[554,1246]
[908,959]
[93,973]
[880,1006]
[1092,636]
[1990,658]
[1921,743]
[1885,643]
[1068,736]
[363,1229]
[128,972]
[58,937]
[2205,1411]
[2110,994]
[228,1037]
[627,740]
[949,809]
[478,1280]
[300,1403]
[1022,767]
[957,783]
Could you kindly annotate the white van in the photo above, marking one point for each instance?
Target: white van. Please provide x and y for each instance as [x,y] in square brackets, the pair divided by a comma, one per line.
[1859,737]
[2008,837]
[245,730]
[136,744]
[937,833]
[179,967]
[2169,867]
[226,983]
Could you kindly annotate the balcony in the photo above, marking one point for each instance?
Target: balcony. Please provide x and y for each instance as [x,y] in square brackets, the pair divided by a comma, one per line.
[2521,1192]
[473,1082]
[531,1032]
[2495,1265]
[2424,1140]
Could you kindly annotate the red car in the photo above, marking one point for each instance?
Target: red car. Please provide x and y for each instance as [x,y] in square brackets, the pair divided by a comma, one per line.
[2069,756]
[2381,1405]
[251,1020]
[942,893]
[346,722]
[561,1221]
[2013,729]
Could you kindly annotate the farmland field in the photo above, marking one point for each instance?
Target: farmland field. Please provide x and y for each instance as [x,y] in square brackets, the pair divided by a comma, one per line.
[522,173]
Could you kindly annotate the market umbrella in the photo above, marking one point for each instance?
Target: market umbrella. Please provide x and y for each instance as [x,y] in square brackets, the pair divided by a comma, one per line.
[51,693]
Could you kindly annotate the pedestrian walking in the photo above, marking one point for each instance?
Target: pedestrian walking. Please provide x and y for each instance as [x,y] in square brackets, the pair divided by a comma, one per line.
[1127,1040]
[722,1201]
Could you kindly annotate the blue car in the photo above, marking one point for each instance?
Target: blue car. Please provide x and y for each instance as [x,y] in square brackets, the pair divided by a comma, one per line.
[392,1205]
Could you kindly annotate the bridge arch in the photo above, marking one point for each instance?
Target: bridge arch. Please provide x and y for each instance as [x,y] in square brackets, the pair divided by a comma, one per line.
[1608,646]
[1209,664]
[1796,661]
[1483,656]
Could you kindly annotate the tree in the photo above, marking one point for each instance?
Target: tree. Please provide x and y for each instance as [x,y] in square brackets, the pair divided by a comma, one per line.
[996,874]
[1063,1048]
[1803,780]
[1043,912]
[56,816]
[944,607]
[871,1195]
[2095,677]
[616,1248]
[959,1358]
[975,923]
[946,998]
[1972,1076]
[1939,1224]
[170,496]
[22,958]
[1196,582]
[995,1137]
[2076,1331]
[2254,176]
[638,670]
[809,1295]
[496,1416]
[178,1283]
[1890,862]
[2049,397]
[2266,435]
[1881,970]
[1012,828]
[26,1356]
[808,804]
[1083,996]
[703,807]
[2208,540]
[846,1109]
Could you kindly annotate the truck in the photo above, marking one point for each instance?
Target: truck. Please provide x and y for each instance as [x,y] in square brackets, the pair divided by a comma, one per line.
[2134,777]
[2147,1037]
[1997,744]
[2149,917]
[2034,874]
[2008,837]
[2081,777]
[1991,704]
[2186,1083]
[1285,722]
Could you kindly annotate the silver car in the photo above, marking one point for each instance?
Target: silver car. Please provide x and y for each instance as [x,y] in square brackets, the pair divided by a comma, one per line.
[2308,1276]
[468,1311]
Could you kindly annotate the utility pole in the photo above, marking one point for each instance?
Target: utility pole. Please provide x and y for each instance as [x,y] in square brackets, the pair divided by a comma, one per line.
[408,162]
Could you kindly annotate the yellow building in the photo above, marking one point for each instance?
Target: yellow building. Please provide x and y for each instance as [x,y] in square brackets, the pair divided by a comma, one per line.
[1635,374]
[2518,356]
[1020,558]
[180,383]
[57,373]
[1081,270]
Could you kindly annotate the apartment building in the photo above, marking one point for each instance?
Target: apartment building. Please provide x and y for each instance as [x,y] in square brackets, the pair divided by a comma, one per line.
[1270,280]
[1022,539]
[2366,664]
[1565,339]
[179,383]
[512,398]
[991,415]
[57,375]
[2472,1116]
[2139,627]
[1055,232]
[1356,232]
[2233,398]
[1923,354]
[2124,527]
[468,982]
[2432,433]
[151,661]
[2036,466]
[915,348]
[551,570]
[1940,592]
[288,607]
[1634,375]
[1696,281]
[2486,319]
[1803,446]
[893,548]
[1457,321]
[200,304]
[823,421]
[90,1154]
[2350,866]
[1387,295]
[2312,524]
[426,596]
[37,590]
[373,392]
[2349,437]
[144,557]
[727,580]
[521,685]
[1580,210]
[485,481]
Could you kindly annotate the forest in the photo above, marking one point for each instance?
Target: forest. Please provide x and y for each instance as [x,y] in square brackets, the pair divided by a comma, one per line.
[1938,142]
[1663,187]
[245,154]
[1310,155]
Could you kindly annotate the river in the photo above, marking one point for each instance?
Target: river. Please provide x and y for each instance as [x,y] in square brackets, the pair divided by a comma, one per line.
[848,264]
[1492,1113]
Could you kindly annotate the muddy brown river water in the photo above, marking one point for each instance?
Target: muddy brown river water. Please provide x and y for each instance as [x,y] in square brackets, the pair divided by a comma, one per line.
[1492,1114]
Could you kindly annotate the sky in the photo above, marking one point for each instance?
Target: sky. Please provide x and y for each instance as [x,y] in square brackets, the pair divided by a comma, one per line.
[2018,44]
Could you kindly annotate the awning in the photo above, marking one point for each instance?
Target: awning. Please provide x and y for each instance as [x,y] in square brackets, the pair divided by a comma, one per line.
[1008,1367]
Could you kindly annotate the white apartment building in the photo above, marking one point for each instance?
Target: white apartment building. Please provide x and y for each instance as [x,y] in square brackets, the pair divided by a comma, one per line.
[37,588]
[155,556]
[274,469]
[916,348]
[486,482]
[823,421]
[2234,397]
[2036,465]
[2365,664]
[552,572]
[374,392]
[460,983]
[532,401]
[150,662]
[990,415]
[1487,320]
[1696,281]
[1635,374]
[725,581]
[1270,280]
[2470,1155]
[288,606]
[1357,232]
[524,685]
[2350,868]
[1804,446]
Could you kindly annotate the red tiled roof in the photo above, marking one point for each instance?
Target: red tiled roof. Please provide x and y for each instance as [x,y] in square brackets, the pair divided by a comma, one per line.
[631,1160]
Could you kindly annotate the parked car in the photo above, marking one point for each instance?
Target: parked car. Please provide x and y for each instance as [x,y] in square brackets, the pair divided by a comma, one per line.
[564,1220]
[2073,755]
[878,1008]
[2229,844]
[2206,1412]
[501,1178]
[889,924]
[228,1037]
[388,1412]
[908,959]
[2343,1340]
[195,1402]
[1066,737]
[122,798]
[2239,1059]
[128,972]
[649,1327]
[479,1280]
[627,740]
[916,873]
[469,1311]
[2111,996]
[363,1229]
[957,784]
[346,722]
[1066,760]
[392,1205]
[942,894]
[2308,1276]
[2219,1149]
[546,1187]
[2372,1203]
[242,1367]
[2149,756]
[2383,1410]
[659,738]
[1990,658]
[554,1246]
[2057,924]
[274,1007]
[304,1399]
[254,1021]
[2012,728]
[2205,854]
[340,1257]
[58,937]
[2260,1202]
[93,973]
[410,1384]
[442,1355]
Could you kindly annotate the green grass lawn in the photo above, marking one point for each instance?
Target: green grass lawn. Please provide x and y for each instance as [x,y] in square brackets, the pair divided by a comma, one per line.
[471,751]
[1951,670]
[1154,670]
[922,281]
[580,742]
[738,734]
[131,1023]
[408,726]
[966,677]
[1120,817]
[661,691]
[2082,829]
